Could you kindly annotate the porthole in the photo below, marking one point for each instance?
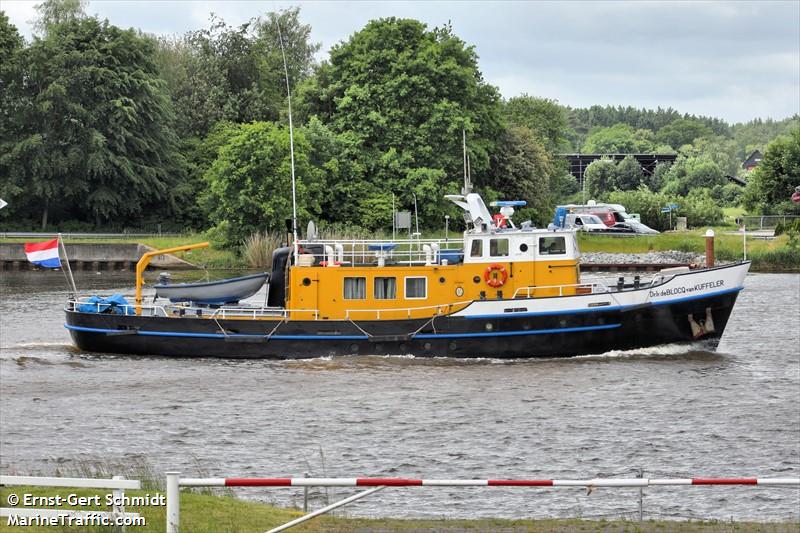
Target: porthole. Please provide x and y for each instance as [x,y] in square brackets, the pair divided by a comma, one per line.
[452,346]
[459,291]
[476,279]
[523,247]
[489,326]
[427,346]
[441,280]
[563,323]
[354,348]
[306,282]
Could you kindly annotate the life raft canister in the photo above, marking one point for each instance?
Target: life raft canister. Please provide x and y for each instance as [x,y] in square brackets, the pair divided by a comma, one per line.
[495,275]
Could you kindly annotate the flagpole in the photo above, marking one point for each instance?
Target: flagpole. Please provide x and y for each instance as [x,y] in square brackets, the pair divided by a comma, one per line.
[70,279]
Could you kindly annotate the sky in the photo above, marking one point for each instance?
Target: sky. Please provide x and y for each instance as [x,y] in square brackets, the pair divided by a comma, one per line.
[734,60]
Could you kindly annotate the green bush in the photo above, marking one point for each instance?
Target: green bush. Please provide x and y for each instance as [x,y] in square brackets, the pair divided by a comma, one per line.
[700,209]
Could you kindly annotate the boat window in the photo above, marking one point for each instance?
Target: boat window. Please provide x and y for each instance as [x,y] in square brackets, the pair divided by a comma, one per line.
[498,247]
[552,246]
[416,288]
[385,288]
[355,288]
[477,248]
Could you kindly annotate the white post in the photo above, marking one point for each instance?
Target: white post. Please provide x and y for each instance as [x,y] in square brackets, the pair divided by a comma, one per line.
[118,509]
[744,241]
[173,502]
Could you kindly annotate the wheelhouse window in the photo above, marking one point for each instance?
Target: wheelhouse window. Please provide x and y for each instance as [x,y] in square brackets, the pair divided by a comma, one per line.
[416,288]
[498,247]
[355,288]
[476,248]
[385,288]
[552,246]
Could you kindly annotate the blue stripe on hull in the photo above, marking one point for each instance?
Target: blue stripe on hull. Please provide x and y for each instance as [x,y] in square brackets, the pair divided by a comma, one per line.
[425,336]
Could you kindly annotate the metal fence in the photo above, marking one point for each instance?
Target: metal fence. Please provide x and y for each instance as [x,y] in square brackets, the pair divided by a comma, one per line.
[87,236]
[766,221]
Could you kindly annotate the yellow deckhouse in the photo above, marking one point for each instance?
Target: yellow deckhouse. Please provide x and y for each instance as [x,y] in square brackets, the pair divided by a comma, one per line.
[378,280]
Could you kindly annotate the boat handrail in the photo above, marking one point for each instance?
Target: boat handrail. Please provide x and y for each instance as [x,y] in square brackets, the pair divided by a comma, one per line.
[407,310]
[590,284]
[130,309]
[258,312]
[360,252]
[220,312]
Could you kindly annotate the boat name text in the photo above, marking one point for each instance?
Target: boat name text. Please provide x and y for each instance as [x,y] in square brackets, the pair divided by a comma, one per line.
[672,291]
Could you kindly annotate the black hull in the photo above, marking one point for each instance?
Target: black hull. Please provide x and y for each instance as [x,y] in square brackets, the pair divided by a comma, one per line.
[560,335]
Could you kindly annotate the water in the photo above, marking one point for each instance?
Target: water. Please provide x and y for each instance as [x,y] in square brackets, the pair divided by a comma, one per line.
[674,411]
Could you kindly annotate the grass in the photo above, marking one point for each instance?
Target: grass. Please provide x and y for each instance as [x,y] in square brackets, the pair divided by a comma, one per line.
[207,513]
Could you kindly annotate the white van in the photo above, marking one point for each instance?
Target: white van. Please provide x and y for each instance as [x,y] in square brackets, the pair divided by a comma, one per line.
[584,222]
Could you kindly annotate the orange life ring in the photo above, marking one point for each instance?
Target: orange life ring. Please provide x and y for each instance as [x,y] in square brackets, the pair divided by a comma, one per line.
[495,281]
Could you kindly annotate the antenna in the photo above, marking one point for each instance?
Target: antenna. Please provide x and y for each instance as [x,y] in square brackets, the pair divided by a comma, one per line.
[467,184]
[291,137]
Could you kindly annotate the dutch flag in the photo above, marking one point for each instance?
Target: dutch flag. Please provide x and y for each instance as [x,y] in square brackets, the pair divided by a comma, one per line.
[43,254]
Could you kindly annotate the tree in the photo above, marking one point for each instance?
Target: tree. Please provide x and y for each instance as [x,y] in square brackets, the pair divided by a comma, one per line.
[655,181]
[543,117]
[689,173]
[772,183]
[682,131]
[618,139]
[404,94]
[599,177]
[628,175]
[11,78]
[250,184]
[55,12]
[92,124]
[521,170]
[235,74]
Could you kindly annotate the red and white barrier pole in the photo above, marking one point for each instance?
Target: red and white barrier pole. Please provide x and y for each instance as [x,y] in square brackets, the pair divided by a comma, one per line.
[174,482]
[407,482]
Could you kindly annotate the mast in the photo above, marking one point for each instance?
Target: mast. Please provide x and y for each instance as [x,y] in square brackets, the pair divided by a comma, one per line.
[291,138]
[467,183]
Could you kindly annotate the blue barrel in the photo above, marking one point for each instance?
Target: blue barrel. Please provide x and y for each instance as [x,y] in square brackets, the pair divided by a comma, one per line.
[453,256]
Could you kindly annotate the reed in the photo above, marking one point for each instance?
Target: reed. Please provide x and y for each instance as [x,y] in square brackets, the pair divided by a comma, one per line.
[258,247]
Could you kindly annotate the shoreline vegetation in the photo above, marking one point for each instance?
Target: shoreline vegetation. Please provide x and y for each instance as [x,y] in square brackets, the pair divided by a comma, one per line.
[205,512]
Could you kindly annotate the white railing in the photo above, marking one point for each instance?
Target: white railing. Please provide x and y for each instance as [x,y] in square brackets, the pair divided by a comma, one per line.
[357,251]
[116,517]
[407,310]
[253,313]
[257,313]
[596,287]
[130,309]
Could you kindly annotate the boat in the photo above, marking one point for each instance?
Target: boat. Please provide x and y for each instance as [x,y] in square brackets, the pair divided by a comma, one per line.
[219,292]
[498,291]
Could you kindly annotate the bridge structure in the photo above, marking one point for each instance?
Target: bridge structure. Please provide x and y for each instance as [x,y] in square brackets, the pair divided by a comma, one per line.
[579,162]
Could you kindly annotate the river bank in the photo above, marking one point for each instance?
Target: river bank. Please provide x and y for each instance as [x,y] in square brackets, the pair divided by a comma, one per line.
[768,255]
[210,513]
